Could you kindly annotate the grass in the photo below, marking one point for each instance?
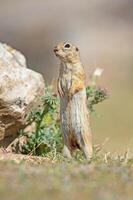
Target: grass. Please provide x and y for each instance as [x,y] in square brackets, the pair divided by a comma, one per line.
[104,178]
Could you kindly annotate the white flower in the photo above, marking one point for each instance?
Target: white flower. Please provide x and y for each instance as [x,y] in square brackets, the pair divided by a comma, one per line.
[98,72]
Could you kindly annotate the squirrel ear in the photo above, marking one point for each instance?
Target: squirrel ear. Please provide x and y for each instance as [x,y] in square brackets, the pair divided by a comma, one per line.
[77,49]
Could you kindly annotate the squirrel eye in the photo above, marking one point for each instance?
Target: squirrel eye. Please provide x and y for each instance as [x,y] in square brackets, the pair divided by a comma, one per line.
[77,49]
[67,46]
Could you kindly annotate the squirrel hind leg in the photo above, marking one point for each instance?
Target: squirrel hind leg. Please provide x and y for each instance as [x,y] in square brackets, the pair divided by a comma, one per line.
[88,151]
[67,152]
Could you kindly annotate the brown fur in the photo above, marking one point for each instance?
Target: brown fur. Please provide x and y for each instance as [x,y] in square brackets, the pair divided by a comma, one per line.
[73,109]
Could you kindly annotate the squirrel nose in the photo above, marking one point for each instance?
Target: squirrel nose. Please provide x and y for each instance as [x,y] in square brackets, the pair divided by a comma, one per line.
[55,49]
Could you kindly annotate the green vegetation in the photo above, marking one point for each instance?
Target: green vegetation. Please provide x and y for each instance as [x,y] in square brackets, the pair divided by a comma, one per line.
[47,140]
[95,95]
[47,137]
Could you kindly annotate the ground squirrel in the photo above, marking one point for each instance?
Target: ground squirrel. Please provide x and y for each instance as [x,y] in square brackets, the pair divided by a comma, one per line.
[73,102]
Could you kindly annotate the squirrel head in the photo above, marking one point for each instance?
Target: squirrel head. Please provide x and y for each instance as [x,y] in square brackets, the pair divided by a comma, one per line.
[67,52]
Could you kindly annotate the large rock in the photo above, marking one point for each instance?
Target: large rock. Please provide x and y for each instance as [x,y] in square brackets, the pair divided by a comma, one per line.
[20,91]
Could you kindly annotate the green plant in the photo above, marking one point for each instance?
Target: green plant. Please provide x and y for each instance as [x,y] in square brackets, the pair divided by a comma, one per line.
[95,95]
[46,139]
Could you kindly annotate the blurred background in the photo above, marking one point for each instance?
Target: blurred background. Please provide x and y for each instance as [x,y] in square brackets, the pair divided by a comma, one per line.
[103,30]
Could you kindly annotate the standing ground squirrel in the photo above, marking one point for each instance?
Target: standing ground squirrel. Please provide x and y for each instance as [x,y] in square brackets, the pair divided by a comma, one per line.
[73,102]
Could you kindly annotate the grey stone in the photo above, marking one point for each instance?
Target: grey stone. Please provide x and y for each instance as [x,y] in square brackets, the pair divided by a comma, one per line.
[20,90]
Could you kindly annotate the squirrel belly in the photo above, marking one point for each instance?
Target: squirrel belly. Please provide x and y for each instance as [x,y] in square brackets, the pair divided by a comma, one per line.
[75,120]
[73,101]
